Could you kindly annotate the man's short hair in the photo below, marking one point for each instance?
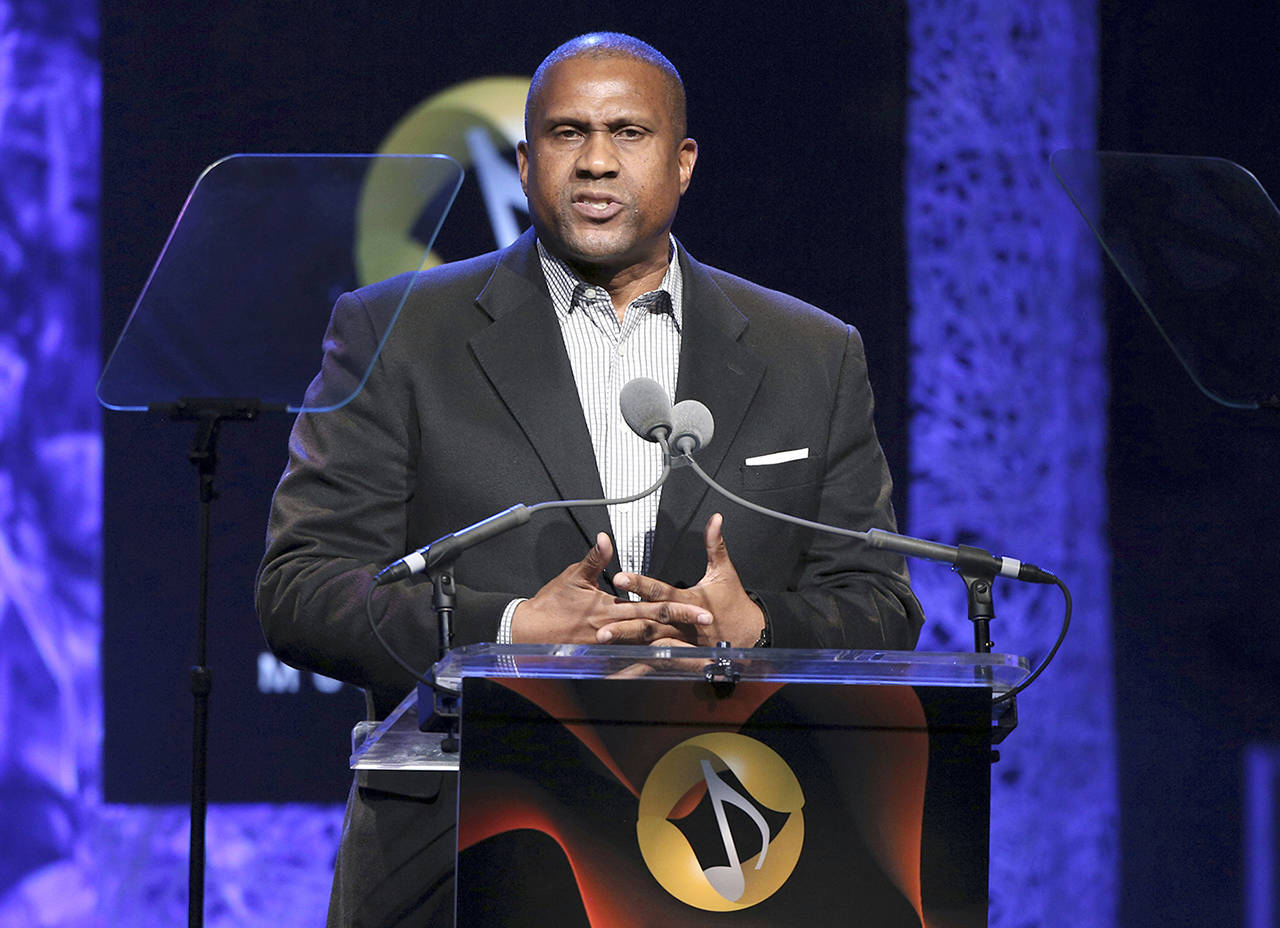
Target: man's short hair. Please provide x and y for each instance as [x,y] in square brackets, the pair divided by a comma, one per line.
[604,45]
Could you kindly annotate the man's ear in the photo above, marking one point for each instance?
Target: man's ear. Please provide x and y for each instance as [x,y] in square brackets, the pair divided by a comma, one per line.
[687,156]
[522,164]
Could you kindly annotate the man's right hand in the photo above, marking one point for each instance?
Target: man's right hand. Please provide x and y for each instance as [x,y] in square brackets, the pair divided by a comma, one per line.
[572,609]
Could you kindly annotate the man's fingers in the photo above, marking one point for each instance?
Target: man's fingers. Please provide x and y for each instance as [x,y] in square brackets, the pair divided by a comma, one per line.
[713,538]
[666,612]
[646,588]
[635,631]
[597,559]
[641,623]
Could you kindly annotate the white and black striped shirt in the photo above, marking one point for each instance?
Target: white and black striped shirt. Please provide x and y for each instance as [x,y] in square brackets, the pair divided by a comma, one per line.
[605,354]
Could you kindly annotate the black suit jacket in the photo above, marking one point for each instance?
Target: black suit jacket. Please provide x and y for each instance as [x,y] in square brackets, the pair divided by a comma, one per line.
[472,407]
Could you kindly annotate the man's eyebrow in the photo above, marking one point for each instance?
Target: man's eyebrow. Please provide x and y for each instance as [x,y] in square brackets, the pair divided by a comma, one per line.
[615,122]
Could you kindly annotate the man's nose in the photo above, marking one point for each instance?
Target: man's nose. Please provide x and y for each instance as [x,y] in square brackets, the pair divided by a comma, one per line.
[598,156]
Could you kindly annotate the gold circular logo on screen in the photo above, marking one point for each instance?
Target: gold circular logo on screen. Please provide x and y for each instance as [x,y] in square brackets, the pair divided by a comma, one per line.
[700,764]
[442,124]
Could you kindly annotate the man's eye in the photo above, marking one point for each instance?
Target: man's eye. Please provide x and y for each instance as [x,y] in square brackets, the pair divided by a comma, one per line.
[567,135]
[629,133]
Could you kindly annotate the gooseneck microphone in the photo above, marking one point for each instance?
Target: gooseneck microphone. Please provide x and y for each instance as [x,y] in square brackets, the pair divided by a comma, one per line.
[646,409]
[962,557]
[448,547]
[692,427]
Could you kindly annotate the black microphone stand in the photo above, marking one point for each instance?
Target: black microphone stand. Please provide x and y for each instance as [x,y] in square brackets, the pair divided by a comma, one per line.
[208,414]
[975,569]
[444,597]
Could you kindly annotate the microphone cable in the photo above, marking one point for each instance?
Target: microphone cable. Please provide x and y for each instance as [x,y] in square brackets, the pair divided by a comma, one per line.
[864,536]
[536,507]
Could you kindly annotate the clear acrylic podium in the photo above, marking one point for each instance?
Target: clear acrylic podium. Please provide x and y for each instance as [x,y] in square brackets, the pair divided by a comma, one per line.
[703,786]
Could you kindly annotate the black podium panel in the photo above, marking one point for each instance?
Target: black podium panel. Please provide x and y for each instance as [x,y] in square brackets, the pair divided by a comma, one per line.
[682,802]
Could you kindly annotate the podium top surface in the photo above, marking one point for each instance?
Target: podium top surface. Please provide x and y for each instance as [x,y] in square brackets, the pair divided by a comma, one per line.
[998,672]
[396,743]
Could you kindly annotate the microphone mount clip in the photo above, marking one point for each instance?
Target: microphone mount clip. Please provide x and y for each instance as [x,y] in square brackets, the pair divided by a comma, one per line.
[722,673]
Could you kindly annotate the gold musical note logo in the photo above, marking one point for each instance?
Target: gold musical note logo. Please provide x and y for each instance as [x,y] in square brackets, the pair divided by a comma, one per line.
[699,766]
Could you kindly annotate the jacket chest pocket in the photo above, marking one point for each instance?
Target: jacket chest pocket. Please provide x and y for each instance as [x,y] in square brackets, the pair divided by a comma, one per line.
[781,475]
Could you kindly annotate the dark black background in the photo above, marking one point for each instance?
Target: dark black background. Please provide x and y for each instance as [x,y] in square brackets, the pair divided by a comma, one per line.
[1195,499]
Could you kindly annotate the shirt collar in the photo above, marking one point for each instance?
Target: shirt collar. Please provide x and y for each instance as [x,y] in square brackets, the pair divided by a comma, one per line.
[568,290]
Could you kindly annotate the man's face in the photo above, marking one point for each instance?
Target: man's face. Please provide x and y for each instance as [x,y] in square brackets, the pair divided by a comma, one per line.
[603,168]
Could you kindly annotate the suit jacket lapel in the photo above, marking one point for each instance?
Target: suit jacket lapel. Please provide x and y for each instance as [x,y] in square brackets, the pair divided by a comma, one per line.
[717,369]
[523,355]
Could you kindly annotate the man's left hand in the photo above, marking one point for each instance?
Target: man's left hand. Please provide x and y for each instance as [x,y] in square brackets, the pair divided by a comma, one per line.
[735,617]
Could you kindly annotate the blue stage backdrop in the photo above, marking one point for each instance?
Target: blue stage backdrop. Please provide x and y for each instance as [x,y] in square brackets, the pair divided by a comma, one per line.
[50,462]
[811,118]
[1008,426]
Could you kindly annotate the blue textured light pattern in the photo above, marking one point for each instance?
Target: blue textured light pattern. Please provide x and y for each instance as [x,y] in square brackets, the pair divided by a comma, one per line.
[1008,417]
[50,459]
[1261,778]
[65,858]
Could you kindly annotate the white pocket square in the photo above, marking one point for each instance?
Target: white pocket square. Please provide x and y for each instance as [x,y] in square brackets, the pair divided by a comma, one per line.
[778,457]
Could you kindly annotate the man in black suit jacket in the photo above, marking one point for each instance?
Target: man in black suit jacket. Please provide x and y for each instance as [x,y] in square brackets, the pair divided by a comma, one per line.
[472,406]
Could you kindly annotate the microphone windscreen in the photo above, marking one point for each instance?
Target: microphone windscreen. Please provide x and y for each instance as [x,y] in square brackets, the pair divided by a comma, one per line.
[646,407]
[691,426]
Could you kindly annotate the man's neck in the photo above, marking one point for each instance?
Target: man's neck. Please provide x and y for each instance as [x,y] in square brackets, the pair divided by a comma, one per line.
[624,285]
